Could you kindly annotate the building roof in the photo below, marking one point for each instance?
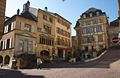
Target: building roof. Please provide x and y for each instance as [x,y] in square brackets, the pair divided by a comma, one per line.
[115,23]
[29,15]
[92,10]
[26,15]
[55,14]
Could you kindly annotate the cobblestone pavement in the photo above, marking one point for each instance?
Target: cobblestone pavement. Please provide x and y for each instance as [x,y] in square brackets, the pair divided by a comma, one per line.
[76,72]
[108,66]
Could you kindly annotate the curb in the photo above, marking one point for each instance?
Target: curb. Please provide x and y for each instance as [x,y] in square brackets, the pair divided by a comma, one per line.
[96,57]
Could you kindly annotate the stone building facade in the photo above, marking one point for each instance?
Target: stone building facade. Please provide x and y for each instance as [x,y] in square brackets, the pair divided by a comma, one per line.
[115,27]
[2,15]
[35,31]
[91,33]
[53,35]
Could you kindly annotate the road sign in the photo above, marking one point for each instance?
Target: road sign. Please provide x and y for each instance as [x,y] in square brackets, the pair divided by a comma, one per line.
[115,40]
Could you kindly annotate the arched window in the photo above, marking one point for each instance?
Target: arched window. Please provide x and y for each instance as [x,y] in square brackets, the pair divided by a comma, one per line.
[97,13]
[84,16]
[91,14]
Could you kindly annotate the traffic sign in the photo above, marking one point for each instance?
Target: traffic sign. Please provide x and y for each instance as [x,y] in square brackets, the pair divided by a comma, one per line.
[115,40]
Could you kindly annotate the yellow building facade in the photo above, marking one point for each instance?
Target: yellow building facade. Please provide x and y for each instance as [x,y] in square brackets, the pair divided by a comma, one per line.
[53,35]
[92,33]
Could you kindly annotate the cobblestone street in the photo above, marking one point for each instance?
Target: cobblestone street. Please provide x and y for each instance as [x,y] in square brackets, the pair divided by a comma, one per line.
[76,73]
[105,67]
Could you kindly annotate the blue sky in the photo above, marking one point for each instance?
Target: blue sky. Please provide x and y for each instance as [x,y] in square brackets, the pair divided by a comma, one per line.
[69,9]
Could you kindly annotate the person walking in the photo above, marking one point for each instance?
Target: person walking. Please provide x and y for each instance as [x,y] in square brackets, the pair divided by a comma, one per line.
[39,63]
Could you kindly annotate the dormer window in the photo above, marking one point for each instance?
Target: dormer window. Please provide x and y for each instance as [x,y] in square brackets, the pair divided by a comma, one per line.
[91,14]
[84,16]
[97,13]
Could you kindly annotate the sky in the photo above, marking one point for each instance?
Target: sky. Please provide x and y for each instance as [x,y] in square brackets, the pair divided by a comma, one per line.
[69,9]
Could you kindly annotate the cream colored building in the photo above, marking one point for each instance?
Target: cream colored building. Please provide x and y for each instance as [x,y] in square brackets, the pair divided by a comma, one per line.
[19,38]
[92,33]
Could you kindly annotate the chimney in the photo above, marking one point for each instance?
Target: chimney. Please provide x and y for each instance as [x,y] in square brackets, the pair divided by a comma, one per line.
[18,12]
[26,6]
[46,9]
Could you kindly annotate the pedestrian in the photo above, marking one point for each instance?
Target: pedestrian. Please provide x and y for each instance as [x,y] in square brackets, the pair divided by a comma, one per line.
[39,63]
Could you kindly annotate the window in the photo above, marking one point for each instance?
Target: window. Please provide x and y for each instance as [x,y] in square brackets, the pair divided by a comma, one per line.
[84,16]
[30,46]
[99,28]
[27,27]
[84,24]
[84,30]
[39,29]
[100,38]
[51,20]
[57,30]
[21,45]
[1,45]
[91,23]
[91,38]
[8,44]
[6,29]
[91,14]
[97,13]
[85,39]
[9,28]
[99,21]
[47,29]
[91,29]
[68,34]
[44,17]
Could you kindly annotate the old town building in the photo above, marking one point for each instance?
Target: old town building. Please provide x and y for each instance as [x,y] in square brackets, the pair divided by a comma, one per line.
[54,35]
[115,28]
[2,15]
[35,32]
[91,33]
[19,37]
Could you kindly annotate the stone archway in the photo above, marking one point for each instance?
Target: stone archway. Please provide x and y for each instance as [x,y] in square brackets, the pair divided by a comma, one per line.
[7,59]
[45,56]
[1,59]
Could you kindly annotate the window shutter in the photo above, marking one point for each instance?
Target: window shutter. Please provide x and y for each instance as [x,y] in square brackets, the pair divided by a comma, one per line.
[6,29]
[5,44]
[12,26]
[10,46]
